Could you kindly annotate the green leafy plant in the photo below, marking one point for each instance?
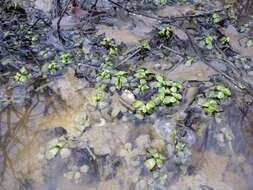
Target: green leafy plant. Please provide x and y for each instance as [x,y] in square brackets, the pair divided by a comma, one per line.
[143,107]
[114,50]
[65,57]
[141,73]
[189,61]
[219,91]
[143,86]
[216,18]
[105,41]
[179,146]
[53,66]
[119,79]
[98,96]
[209,42]
[105,74]
[155,159]
[144,46]
[224,40]
[223,91]
[21,75]
[211,107]
[165,32]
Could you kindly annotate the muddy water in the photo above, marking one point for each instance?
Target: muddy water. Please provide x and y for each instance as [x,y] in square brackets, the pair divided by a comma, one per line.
[21,141]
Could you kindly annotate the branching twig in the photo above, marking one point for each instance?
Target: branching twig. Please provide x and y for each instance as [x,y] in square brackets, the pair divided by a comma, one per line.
[59,20]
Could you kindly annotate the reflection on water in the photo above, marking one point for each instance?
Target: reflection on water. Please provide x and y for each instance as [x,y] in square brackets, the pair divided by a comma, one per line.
[54,106]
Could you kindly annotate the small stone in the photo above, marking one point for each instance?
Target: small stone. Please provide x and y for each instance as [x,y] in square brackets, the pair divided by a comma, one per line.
[102,105]
[84,169]
[220,138]
[170,150]
[77,175]
[143,141]
[69,175]
[158,66]
[158,144]
[141,185]
[128,97]
[51,153]
[123,152]
[65,153]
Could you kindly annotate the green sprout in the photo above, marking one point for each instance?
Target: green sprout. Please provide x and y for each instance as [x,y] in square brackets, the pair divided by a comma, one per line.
[105,74]
[141,73]
[98,96]
[144,46]
[223,90]
[155,159]
[216,18]
[119,79]
[189,61]
[21,75]
[219,91]
[53,66]
[105,41]
[160,82]
[225,40]
[209,41]
[144,108]
[163,2]
[65,57]
[114,50]
[142,87]
[211,107]
[180,146]
[165,32]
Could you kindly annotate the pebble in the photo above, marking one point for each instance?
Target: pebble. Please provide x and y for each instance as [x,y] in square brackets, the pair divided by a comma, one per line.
[84,169]
[143,141]
[158,144]
[65,153]
[128,97]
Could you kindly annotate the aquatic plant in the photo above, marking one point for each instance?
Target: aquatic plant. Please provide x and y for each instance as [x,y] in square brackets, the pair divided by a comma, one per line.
[209,42]
[189,61]
[105,41]
[143,86]
[165,32]
[98,96]
[21,75]
[53,66]
[219,92]
[144,108]
[224,40]
[211,107]
[216,18]
[144,46]
[155,159]
[141,73]
[179,146]
[65,58]
[119,79]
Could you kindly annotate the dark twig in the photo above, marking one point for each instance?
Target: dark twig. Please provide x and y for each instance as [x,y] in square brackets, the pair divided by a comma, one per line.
[94,5]
[59,20]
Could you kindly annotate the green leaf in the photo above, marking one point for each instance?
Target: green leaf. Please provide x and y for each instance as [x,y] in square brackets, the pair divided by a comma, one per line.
[169,100]
[150,163]
[216,18]
[138,104]
[173,89]
[177,96]
[220,95]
